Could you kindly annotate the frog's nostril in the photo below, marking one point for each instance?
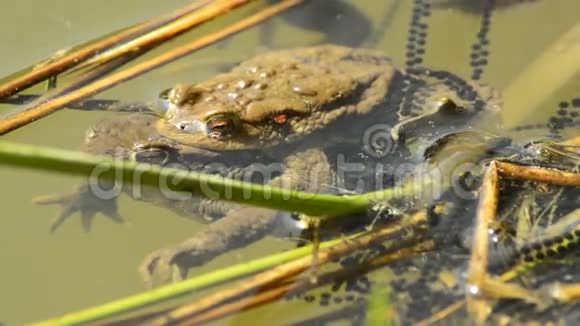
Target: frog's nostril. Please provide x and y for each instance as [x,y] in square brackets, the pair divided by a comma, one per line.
[191,127]
[185,127]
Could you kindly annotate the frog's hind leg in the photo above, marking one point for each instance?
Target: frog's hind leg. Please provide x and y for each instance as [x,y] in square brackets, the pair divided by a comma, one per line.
[242,225]
[239,228]
[481,287]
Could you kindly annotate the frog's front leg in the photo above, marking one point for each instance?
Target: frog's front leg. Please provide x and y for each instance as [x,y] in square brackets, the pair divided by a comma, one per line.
[84,200]
[307,170]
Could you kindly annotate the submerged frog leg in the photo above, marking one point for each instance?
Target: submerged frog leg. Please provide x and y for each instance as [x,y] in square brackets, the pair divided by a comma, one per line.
[479,6]
[242,225]
[81,200]
[85,105]
[339,22]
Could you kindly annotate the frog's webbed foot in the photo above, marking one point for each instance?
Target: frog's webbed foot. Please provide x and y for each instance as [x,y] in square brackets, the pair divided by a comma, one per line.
[81,200]
[157,264]
[237,229]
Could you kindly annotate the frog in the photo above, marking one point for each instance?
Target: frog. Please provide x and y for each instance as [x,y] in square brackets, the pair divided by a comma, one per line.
[133,136]
[126,136]
[285,97]
[307,111]
[287,101]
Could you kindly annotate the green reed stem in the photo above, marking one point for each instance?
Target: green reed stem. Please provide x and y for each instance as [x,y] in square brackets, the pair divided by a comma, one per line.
[99,167]
[211,186]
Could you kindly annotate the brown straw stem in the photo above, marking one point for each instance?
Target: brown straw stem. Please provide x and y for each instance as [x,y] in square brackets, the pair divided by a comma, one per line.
[300,286]
[166,32]
[44,109]
[284,271]
[53,67]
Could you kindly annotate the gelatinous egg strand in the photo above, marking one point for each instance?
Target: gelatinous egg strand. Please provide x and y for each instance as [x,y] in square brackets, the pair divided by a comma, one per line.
[415,49]
[566,116]
[416,38]
[480,50]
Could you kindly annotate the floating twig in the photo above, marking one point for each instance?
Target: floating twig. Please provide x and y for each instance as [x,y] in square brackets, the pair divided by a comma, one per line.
[166,32]
[267,278]
[51,67]
[270,294]
[36,112]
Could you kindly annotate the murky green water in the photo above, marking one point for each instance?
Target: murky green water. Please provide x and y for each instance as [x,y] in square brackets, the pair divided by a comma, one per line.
[46,275]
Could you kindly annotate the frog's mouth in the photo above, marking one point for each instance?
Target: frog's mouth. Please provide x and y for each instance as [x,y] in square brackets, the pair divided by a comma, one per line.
[196,139]
[202,155]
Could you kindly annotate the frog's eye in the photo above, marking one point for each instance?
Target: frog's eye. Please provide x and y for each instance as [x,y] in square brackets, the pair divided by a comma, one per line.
[152,155]
[164,96]
[280,118]
[283,116]
[447,105]
[220,126]
[187,126]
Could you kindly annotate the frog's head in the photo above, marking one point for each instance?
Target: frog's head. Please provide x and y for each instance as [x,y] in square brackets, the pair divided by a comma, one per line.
[134,137]
[437,103]
[272,99]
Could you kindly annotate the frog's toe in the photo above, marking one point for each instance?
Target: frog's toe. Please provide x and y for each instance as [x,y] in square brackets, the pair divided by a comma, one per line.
[69,206]
[169,265]
[61,218]
[156,268]
[87,220]
[108,209]
[83,201]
